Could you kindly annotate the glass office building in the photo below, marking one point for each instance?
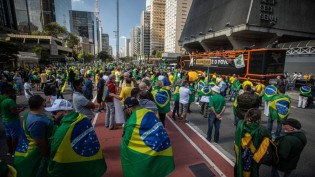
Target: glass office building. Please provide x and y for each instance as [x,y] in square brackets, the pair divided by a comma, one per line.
[22,16]
[62,8]
[7,15]
[82,24]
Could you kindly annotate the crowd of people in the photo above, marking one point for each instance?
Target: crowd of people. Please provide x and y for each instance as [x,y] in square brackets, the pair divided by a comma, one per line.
[139,97]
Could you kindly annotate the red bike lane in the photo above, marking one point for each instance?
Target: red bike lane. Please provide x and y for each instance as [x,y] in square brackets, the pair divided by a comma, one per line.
[188,147]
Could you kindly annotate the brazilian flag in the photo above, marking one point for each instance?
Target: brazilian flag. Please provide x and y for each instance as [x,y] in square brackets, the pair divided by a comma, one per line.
[270,92]
[162,99]
[145,149]
[306,91]
[75,149]
[279,108]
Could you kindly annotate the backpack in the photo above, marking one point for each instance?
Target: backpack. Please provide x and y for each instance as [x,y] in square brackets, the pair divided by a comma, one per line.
[267,153]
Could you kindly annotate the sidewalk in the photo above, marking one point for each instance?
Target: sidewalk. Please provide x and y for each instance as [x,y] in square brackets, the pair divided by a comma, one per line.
[193,156]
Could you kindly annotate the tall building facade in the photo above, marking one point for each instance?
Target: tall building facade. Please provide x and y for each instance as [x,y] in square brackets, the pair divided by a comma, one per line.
[145,33]
[41,12]
[7,15]
[175,17]
[86,25]
[148,5]
[126,48]
[22,16]
[110,50]
[105,43]
[62,8]
[135,41]
[157,25]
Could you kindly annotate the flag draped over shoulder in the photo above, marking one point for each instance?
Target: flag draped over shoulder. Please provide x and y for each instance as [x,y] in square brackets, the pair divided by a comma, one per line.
[75,149]
[270,92]
[145,149]
[279,108]
[162,99]
[27,157]
[246,136]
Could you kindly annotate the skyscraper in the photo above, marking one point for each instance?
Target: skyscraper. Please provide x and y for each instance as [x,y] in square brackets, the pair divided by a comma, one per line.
[41,12]
[157,25]
[145,33]
[22,17]
[7,15]
[175,17]
[84,24]
[135,41]
[105,43]
[127,48]
[62,8]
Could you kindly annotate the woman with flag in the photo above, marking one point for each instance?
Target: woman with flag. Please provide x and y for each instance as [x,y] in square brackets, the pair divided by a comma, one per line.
[145,149]
[248,136]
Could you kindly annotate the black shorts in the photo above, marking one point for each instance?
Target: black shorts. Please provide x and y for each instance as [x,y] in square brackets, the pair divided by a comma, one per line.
[99,98]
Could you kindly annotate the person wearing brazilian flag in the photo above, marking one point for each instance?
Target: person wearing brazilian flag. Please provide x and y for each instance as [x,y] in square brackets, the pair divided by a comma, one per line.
[279,110]
[32,153]
[270,92]
[248,137]
[205,95]
[145,149]
[305,93]
[162,99]
[75,149]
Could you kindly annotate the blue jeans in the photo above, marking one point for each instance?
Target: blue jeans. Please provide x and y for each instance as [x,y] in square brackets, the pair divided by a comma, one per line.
[279,126]
[212,120]
[110,115]
[233,95]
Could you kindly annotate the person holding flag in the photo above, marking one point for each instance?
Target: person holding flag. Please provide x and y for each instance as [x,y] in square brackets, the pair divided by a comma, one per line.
[145,149]
[75,149]
[305,93]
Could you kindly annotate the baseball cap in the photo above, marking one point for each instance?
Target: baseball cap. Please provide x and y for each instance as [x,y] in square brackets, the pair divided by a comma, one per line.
[130,102]
[293,123]
[60,104]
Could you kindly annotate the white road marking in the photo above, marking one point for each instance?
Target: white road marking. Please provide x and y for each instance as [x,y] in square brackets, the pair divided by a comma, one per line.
[211,163]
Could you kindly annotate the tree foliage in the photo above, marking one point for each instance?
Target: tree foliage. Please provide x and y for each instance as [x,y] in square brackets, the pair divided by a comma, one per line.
[104,56]
[8,51]
[86,56]
[41,52]
[55,30]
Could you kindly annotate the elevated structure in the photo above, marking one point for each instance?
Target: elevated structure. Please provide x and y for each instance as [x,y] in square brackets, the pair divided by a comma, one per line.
[235,24]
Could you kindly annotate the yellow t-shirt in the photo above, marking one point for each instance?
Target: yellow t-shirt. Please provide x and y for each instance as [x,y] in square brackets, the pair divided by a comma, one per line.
[232,79]
[125,93]
[171,78]
[247,83]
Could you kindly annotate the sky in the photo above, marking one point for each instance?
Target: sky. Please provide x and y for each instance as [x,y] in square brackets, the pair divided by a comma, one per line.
[129,16]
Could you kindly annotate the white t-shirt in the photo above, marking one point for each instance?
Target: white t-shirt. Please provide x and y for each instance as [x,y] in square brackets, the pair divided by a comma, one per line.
[29,87]
[106,78]
[184,95]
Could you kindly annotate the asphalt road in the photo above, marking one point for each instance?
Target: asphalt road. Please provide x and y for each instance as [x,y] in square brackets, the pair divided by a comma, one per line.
[306,164]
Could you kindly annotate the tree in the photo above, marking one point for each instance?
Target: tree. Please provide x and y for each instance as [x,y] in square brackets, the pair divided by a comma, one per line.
[86,56]
[41,52]
[103,55]
[159,54]
[55,30]
[8,51]
[154,52]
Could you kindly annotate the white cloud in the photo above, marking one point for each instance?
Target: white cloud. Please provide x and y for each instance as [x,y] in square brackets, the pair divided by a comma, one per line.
[78,1]
[123,37]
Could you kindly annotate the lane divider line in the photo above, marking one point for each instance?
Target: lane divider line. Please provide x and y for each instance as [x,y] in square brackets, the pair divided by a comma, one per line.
[197,148]
[212,146]
[96,115]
